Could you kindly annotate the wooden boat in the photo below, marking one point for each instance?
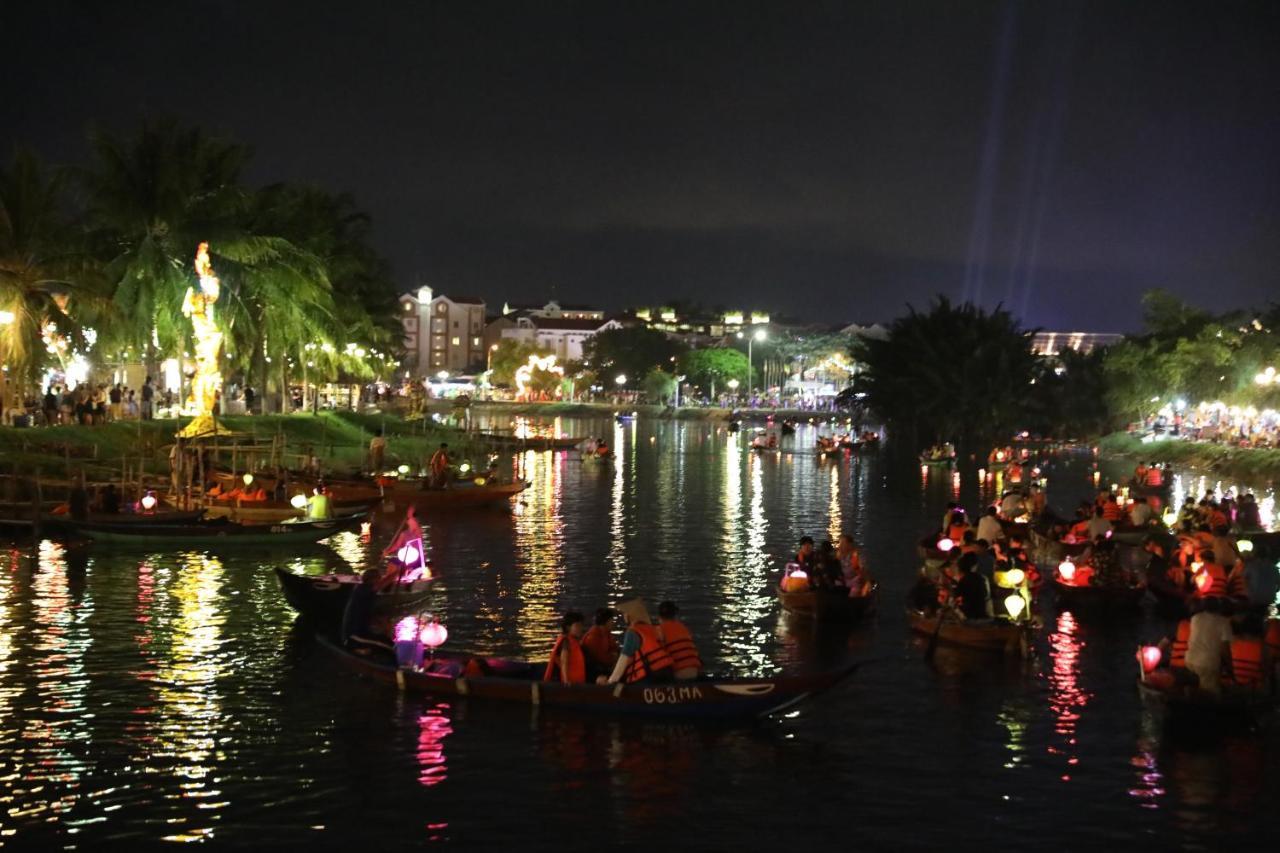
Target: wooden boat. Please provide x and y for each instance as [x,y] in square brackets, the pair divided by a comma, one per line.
[457,496]
[828,605]
[219,532]
[829,452]
[1207,713]
[926,459]
[1110,597]
[531,442]
[321,599]
[519,682]
[996,635]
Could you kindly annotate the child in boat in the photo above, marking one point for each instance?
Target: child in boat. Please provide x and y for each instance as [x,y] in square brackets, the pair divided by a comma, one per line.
[599,644]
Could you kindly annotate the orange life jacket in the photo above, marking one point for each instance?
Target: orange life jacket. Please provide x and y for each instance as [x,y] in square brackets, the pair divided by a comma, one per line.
[577,663]
[650,658]
[1178,653]
[1217,519]
[956,532]
[679,644]
[1155,477]
[1246,661]
[1217,587]
[1236,587]
[600,645]
[1080,529]
[1112,512]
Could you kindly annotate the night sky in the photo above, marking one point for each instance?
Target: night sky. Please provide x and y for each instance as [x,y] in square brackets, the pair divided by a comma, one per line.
[823,160]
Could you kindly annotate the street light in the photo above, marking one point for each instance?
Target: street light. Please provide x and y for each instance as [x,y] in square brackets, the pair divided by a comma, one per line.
[620,379]
[489,364]
[757,335]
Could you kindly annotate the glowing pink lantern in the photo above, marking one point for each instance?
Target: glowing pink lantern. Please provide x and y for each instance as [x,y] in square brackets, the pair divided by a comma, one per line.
[1067,570]
[1204,581]
[434,634]
[406,630]
[1107,534]
[945,544]
[410,553]
[1150,657]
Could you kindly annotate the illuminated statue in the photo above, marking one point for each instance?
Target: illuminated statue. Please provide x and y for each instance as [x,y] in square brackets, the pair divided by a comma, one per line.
[207,381]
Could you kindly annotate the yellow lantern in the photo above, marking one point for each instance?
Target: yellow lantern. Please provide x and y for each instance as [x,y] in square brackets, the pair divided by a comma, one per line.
[1014,604]
[248,479]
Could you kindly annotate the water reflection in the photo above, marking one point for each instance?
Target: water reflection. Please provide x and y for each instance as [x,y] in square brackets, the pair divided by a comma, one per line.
[1066,698]
[617,519]
[539,536]
[433,728]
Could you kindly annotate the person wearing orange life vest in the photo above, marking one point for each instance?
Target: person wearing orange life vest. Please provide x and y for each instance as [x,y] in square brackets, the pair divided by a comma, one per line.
[678,642]
[599,644]
[1211,580]
[567,663]
[1112,511]
[1155,476]
[643,656]
[1247,657]
[439,467]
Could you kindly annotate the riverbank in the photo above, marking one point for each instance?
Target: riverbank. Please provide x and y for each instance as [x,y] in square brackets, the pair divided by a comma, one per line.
[707,413]
[1250,465]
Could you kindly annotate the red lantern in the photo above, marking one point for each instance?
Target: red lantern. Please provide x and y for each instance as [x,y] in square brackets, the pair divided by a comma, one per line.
[1150,657]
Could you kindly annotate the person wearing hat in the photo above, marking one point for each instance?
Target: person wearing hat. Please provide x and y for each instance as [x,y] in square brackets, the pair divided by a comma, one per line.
[643,657]
[599,645]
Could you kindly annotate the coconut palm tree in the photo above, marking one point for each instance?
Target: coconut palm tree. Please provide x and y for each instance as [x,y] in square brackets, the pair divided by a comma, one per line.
[47,281]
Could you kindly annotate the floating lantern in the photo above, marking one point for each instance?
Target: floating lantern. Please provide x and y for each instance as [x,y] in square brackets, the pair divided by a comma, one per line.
[1014,604]
[1150,657]
[298,501]
[1244,546]
[248,479]
[403,469]
[1015,577]
[148,502]
[1067,570]
[434,634]
[945,544]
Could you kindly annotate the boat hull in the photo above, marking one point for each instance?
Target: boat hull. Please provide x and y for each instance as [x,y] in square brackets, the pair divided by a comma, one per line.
[827,605]
[227,534]
[997,637]
[322,599]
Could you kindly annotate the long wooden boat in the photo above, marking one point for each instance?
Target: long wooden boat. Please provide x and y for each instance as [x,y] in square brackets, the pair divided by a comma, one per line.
[828,605]
[1111,598]
[519,682]
[995,635]
[457,496]
[220,532]
[321,599]
[1207,713]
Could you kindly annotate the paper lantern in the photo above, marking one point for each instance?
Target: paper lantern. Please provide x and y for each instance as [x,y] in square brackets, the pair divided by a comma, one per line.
[1204,581]
[945,544]
[480,481]
[298,501]
[1014,604]
[406,629]
[366,528]
[410,553]
[464,467]
[148,502]
[1015,577]
[1150,657]
[1244,546]
[1067,570]
[403,469]
[434,634]
[248,479]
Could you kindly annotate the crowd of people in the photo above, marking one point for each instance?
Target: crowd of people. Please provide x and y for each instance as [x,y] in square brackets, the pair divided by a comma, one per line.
[829,566]
[647,652]
[90,405]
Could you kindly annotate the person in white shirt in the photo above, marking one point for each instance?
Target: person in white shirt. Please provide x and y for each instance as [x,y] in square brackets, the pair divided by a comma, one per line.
[1209,642]
[1098,525]
[1141,513]
[989,527]
[1012,505]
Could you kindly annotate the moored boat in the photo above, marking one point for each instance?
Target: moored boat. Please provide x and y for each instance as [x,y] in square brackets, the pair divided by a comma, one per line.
[828,605]
[321,599]
[457,496]
[994,635]
[1111,597]
[219,532]
[1206,713]
[519,682]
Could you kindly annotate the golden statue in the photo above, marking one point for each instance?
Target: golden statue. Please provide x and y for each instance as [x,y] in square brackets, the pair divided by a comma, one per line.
[207,381]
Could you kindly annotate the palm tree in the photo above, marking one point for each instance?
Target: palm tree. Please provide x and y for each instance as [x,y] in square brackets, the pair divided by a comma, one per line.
[44,274]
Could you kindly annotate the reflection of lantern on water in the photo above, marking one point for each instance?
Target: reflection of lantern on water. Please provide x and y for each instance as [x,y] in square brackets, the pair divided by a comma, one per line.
[1066,698]
[433,728]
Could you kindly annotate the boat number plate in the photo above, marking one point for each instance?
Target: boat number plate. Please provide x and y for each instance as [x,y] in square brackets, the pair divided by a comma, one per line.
[670,695]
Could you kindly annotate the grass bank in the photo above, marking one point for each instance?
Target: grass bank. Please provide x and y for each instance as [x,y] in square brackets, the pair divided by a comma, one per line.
[1242,463]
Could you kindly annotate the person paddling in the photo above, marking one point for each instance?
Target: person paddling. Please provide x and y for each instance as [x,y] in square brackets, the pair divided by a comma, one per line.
[678,642]
[643,656]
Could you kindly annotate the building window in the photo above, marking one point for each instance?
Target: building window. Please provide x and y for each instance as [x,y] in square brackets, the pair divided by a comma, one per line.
[475,342]
[455,324]
[457,342]
[440,309]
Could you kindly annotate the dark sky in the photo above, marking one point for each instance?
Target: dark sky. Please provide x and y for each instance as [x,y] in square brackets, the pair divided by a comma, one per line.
[828,160]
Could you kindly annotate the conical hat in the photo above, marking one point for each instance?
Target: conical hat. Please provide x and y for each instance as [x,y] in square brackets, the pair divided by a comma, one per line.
[634,610]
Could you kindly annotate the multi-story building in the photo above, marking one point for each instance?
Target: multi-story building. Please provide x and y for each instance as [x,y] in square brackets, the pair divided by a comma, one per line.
[563,337]
[443,333]
[1052,343]
[554,310]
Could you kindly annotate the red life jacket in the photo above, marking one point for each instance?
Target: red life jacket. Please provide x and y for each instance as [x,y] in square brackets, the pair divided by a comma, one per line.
[1236,587]
[600,646]
[650,658]
[1217,587]
[577,663]
[1155,477]
[1246,662]
[679,644]
[1112,512]
[956,532]
[1178,653]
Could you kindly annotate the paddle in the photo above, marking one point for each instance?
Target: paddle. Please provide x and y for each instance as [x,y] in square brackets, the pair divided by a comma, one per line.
[943,610]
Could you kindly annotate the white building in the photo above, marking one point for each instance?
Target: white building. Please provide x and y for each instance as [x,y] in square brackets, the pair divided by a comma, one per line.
[443,332]
[1052,343]
[554,310]
[562,337]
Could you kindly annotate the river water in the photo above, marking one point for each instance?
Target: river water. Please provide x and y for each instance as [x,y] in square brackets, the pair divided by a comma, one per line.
[150,697]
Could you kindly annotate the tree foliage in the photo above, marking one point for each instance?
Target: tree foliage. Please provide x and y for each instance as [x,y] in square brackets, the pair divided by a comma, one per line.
[712,367]
[631,352]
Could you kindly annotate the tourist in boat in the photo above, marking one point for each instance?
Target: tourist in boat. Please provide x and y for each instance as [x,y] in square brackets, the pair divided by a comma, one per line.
[989,526]
[1013,505]
[959,526]
[254,493]
[807,558]
[1209,643]
[948,517]
[1141,514]
[1112,511]
[1140,474]
[318,504]
[439,467]
[1225,553]
[1248,516]
[642,657]
[1099,525]
[675,636]
[357,618]
[599,644]
[856,577]
[972,589]
[1155,476]
[588,448]
[567,664]
[1162,578]
[602,449]
[1212,579]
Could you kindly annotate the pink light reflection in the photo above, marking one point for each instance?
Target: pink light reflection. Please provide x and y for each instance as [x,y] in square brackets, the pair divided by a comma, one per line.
[433,728]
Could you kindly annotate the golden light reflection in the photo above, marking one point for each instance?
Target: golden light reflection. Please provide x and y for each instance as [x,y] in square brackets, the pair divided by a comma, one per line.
[617,512]
[1066,697]
[835,523]
[1014,718]
[747,587]
[351,548]
[539,535]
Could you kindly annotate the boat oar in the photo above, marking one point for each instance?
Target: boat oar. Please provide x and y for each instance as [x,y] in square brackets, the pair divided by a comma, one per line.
[937,629]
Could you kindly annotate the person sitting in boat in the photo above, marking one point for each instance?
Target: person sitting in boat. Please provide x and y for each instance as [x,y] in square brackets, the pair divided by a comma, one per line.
[216,491]
[643,657]
[254,493]
[1212,580]
[1141,514]
[949,515]
[357,618]
[830,574]
[989,526]
[599,644]
[1248,516]
[602,449]
[1099,525]
[856,578]
[959,526]
[1013,505]
[1155,476]
[589,447]
[1209,643]
[972,589]
[1225,552]
[568,664]
[807,559]
[685,663]
[1112,511]
[1162,578]
[1140,474]
[318,504]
